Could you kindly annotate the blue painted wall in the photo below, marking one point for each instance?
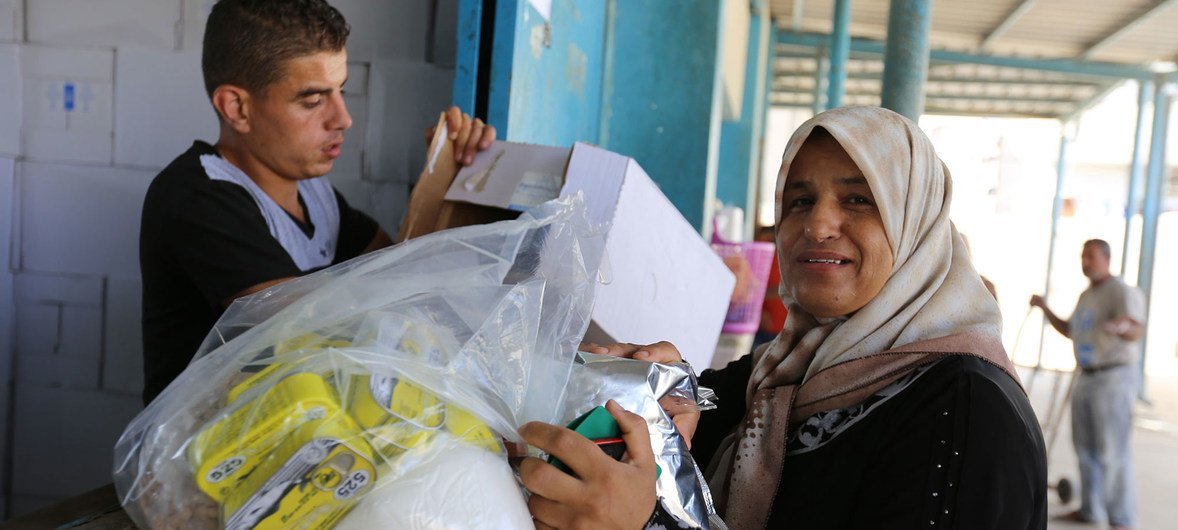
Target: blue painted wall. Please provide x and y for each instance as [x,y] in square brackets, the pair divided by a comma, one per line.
[637,77]
[466,55]
[551,94]
[661,103]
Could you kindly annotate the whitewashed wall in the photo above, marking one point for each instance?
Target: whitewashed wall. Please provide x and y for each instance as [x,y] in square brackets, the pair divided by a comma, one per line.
[96,96]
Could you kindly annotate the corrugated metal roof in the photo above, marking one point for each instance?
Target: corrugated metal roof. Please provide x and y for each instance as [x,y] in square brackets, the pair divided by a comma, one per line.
[1133,32]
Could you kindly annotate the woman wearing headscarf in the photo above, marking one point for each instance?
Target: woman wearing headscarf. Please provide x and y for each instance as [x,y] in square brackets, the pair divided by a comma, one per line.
[887,401]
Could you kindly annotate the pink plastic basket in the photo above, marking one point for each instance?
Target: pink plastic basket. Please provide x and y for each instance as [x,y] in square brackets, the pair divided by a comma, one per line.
[744,311]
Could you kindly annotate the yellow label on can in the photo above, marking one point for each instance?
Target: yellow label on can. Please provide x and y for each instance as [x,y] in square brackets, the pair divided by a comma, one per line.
[471,430]
[312,489]
[280,458]
[302,342]
[395,415]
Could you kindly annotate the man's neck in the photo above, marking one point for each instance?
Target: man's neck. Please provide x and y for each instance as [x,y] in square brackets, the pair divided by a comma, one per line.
[1097,282]
[282,190]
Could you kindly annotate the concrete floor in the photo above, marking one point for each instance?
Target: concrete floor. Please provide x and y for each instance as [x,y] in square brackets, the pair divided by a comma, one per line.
[1155,445]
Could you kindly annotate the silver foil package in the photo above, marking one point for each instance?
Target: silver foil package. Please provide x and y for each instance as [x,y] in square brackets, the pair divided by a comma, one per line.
[644,388]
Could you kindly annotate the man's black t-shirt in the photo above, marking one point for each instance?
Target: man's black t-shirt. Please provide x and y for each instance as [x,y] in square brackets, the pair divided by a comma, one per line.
[201,241]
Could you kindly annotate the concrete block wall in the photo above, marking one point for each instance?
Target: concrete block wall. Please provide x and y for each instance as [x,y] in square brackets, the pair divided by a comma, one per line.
[96,96]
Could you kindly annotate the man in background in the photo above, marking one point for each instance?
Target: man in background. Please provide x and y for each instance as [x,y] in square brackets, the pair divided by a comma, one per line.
[1105,329]
[255,209]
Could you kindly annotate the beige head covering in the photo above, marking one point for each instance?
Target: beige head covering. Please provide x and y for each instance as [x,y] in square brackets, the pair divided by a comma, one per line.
[933,305]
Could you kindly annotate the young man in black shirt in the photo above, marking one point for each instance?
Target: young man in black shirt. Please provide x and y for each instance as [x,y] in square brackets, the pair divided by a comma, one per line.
[254,210]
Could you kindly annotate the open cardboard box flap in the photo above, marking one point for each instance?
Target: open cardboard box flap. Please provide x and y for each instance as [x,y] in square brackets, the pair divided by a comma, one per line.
[428,212]
[658,280]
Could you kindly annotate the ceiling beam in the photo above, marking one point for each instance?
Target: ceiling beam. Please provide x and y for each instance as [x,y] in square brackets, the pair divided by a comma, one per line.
[961,80]
[1011,99]
[934,110]
[1068,66]
[1125,27]
[1007,22]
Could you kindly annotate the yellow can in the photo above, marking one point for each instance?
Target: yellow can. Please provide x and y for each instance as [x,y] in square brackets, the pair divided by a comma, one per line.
[396,415]
[312,489]
[282,457]
[472,430]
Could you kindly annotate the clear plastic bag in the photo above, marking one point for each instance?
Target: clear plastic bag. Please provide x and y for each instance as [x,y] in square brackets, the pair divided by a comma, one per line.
[374,387]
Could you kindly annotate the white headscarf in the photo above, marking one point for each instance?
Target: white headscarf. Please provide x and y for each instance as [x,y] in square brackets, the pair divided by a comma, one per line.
[933,290]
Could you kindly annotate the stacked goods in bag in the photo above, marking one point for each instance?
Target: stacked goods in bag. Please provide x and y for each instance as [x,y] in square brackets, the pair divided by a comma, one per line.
[378,393]
[289,452]
[374,391]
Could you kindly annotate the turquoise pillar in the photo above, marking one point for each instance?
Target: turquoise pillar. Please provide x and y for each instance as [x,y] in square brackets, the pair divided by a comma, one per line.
[906,56]
[759,139]
[1061,169]
[821,79]
[740,140]
[1151,210]
[840,50]
[661,101]
[1144,94]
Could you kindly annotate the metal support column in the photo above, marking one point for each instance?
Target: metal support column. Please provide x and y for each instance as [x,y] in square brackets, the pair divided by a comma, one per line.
[1061,169]
[820,79]
[1154,195]
[1136,169]
[840,50]
[906,56]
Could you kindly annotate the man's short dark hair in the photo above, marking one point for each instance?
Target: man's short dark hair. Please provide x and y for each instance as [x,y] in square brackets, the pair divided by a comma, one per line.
[247,42]
[1100,244]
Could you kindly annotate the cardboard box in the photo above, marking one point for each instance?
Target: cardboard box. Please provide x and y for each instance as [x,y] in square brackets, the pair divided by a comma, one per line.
[658,279]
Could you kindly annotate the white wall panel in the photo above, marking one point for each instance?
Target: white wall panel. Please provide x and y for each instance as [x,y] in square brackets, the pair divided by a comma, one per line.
[122,368]
[161,106]
[58,345]
[403,99]
[63,439]
[104,22]
[196,12]
[7,307]
[386,30]
[59,323]
[11,20]
[10,102]
[380,30]
[74,290]
[81,220]
[67,103]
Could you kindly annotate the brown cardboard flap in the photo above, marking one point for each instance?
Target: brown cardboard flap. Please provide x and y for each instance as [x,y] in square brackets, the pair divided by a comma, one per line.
[454,214]
[425,203]
[428,210]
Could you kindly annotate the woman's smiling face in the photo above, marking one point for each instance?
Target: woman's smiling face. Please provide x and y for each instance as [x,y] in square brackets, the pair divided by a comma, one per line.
[835,255]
